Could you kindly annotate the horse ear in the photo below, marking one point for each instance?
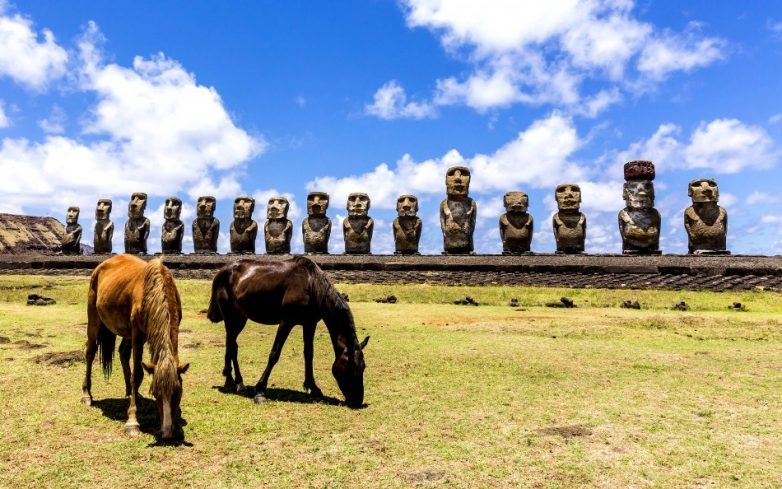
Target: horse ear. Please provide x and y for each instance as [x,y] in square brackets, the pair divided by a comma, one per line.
[364,343]
[149,367]
[183,368]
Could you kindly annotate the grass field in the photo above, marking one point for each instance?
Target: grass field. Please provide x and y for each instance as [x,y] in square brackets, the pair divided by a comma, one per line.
[462,396]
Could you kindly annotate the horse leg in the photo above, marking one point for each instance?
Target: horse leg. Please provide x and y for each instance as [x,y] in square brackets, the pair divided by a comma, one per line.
[125,350]
[93,325]
[233,326]
[132,427]
[309,377]
[283,330]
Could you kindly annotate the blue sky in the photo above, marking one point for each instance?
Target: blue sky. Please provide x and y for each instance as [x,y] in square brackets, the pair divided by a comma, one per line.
[100,99]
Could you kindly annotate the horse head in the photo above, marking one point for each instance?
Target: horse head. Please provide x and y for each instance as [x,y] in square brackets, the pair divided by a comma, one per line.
[348,370]
[167,389]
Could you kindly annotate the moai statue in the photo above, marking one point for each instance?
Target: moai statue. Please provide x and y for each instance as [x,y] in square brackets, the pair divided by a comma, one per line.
[705,221]
[639,221]
[173,228]
[407,227]
[278,229]
[243,228]
[137,226]
[516,225]
[104,228]
[316,227]
[569,222]
[71,240]
[457,212]
[358,226]
[206,227]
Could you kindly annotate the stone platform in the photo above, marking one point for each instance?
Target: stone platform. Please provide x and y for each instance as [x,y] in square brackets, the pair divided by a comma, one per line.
[678,272]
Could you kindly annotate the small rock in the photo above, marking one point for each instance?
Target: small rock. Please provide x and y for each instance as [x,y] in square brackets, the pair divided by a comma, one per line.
[567,302]
[344,296]
[737,306]
[39,300]
[391,299]
[514,302]
[630,304]
[681,306]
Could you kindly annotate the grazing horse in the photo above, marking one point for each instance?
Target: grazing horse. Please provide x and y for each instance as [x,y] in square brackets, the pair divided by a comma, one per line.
[139,302]
[289,292]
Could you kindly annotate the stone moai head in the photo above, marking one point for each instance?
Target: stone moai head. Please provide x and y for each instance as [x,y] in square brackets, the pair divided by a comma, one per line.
[516,202]
[317,204]
[277,208]
[72,216]
[638,190]
[137,205]
[457,182]
[568,197]
[206,206]
[358,204]
[244,207]
[103,209]
[172,209]
[407,205]
[703,190]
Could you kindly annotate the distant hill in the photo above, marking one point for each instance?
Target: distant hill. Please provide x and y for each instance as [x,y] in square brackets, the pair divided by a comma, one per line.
[31,234]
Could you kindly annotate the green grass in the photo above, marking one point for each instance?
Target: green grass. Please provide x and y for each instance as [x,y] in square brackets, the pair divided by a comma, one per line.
[458,395]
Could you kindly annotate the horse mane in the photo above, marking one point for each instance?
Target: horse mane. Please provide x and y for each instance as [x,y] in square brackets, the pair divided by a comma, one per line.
[161,314]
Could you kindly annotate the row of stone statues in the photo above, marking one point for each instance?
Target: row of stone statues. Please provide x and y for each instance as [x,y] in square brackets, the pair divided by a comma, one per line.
[639,222]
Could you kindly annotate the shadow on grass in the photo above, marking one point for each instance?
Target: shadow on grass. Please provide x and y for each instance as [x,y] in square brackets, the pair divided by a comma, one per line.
[146,413]
[283,395]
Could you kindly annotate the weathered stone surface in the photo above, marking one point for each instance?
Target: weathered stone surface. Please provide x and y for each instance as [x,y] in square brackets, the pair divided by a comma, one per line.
[639,221]
[173,228]
[244,229]
[137,225]
[316,227]
[407,226]
[278,230]
[104,228]
[458,212]
[358,226]
[569,222]
[705,221]
[516,225]
[206,227]
[29,234]
[71,238]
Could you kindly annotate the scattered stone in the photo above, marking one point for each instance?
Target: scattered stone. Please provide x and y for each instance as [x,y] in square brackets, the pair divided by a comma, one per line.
[467,301]
[514,302]
[631,304]
[61,358]
[39,300]
[26,345]
[563,302]
[203,311]
[391,299]
[681,306]
[738,306]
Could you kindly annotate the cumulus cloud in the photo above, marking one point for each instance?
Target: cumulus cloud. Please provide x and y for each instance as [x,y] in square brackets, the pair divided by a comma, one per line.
[391,103]
[28,57]
[4,122]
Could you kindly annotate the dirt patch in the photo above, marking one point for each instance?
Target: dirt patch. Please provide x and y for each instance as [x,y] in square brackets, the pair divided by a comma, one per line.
[4,340]
[59,358]
[185,330]
[571,431]
[26,345]
[423,476]
[194,345]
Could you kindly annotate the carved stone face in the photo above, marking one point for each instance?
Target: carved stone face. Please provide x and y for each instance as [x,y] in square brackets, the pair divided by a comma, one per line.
[358,205]
[703,190]
[137,205]
[568,197]
[244,207]
[639,194]
[407,205]
[206,207]
[103,209]
[457,181]
[72,216]
[277,208]
[173,209]
[516,202]
[317,204]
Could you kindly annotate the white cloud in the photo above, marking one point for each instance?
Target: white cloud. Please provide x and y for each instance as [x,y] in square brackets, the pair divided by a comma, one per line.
[262,201]
[27,57]
[391,103]
[775,119]
[55,123]
[662,56]
[4,122]
[763,198]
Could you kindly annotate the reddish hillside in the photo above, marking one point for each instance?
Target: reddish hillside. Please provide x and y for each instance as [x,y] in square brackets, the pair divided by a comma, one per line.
[29,234]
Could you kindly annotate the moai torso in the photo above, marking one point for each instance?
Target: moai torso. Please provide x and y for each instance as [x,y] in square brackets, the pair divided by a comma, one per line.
[278,229]
[206,227]
[316,227]
[104,228]
[137,226]
[358,226]
[705,221]
[173,228]
[244,229]
[639,221]
[569,223]
[458,212]
[71,240]
[516,225]
[407,226]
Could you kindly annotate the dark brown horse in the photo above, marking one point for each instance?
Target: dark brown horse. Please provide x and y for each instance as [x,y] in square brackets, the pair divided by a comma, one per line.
[139,302]
[289,292]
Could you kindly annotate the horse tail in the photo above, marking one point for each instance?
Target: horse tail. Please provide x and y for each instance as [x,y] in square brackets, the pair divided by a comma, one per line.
[106,342]
[214,313]
[159,308]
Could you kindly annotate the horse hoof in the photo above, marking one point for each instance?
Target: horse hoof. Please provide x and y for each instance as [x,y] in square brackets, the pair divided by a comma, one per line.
[240,387]
[317,393]
[259,399]
[86,400]
[132,430]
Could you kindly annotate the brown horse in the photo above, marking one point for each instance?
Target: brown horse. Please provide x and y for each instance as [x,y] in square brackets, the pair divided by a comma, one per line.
[139,302]
[289,292]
